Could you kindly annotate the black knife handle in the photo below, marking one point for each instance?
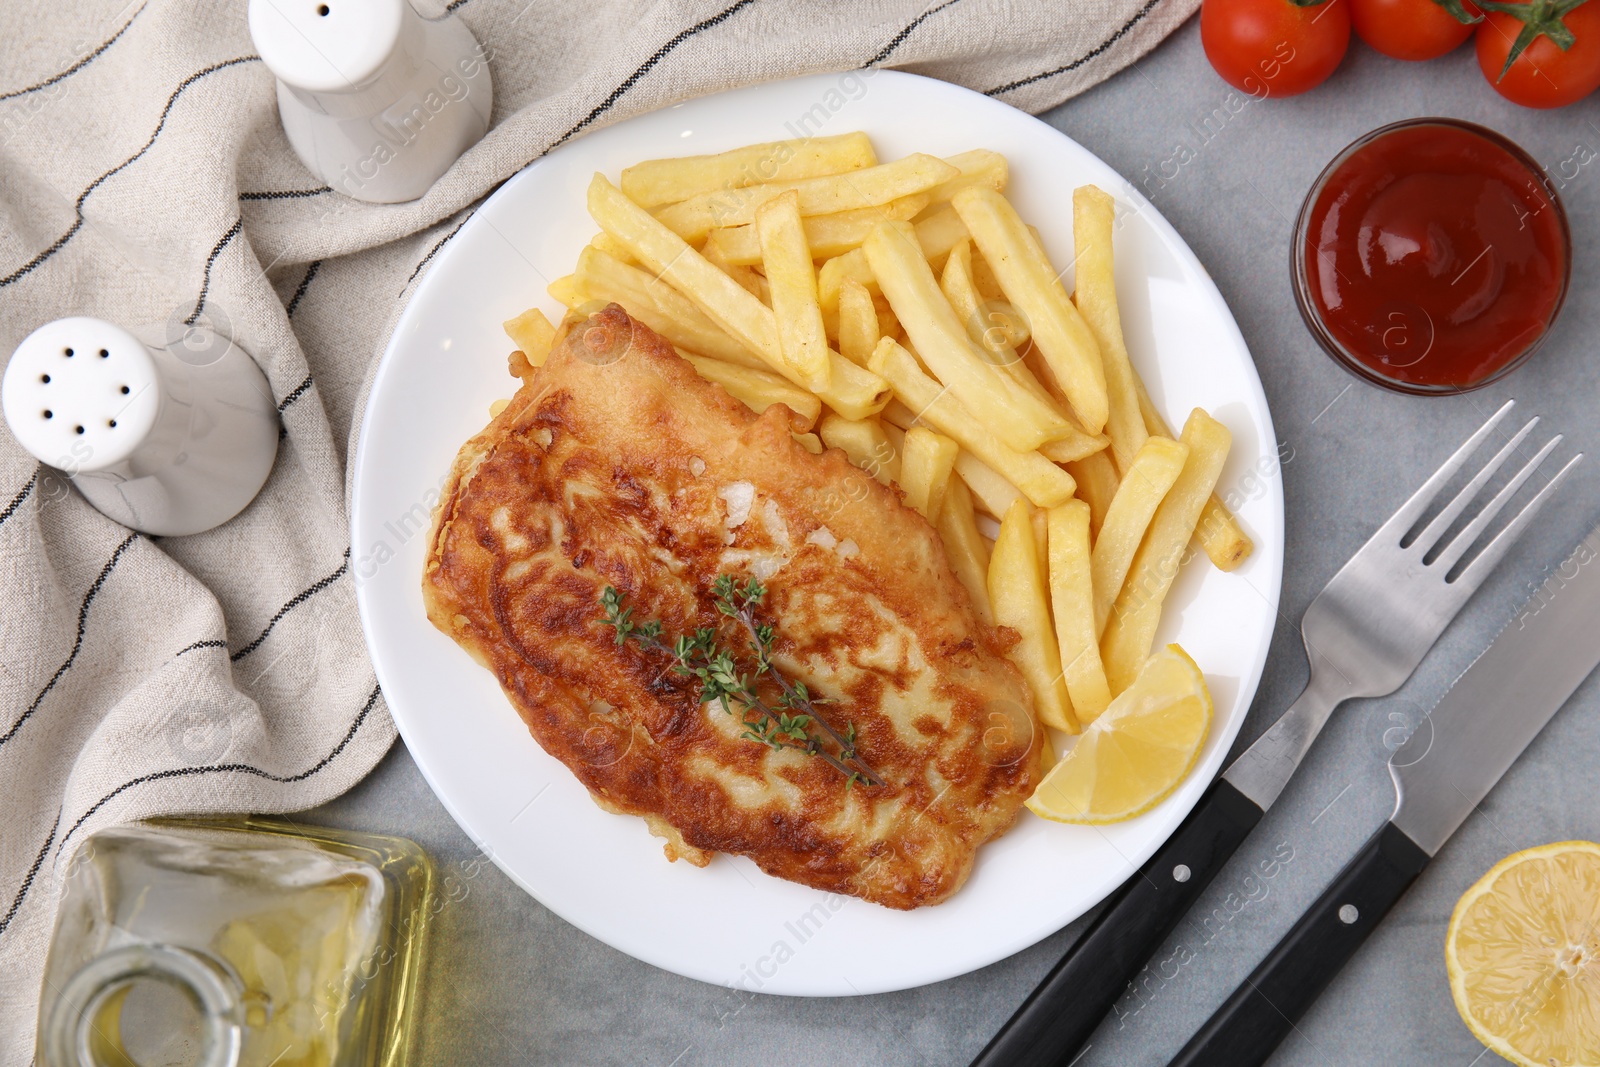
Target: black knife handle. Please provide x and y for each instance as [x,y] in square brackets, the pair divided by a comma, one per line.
[1260,1014]
[1059,1016]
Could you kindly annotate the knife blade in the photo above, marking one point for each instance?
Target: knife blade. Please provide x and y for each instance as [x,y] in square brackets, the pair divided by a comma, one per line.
[1444,769]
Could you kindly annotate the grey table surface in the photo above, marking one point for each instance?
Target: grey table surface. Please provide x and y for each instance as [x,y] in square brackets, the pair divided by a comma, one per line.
[511,983]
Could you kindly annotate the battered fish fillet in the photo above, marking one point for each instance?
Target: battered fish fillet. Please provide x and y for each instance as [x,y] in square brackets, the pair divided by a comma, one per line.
[616,464]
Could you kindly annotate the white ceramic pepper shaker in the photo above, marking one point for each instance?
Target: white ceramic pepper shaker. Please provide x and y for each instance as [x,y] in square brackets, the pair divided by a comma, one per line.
[377,101]
[166,440]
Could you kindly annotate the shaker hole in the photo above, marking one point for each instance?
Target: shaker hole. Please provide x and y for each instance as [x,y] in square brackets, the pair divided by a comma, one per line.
[111,423]
[67,352]
[77,429]
[104,354]
[45,378]
[125,390]
[49,414]
[322,9]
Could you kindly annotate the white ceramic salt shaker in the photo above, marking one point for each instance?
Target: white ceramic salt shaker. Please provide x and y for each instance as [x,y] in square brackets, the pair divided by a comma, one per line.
[166,440]
[377,101]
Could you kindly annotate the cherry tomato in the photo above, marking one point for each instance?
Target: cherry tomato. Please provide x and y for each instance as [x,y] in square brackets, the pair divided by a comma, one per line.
[1543,75]
[1411,29]
[1274,47]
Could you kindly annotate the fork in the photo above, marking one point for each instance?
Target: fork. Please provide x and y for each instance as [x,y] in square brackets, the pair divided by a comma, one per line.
[1364,635]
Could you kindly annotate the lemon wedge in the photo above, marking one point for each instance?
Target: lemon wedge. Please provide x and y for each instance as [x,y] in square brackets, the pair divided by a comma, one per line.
[1136,751]
[1523,953]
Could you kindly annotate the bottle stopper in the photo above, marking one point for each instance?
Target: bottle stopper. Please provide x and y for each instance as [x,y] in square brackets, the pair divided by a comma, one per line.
[376,100]
[167,440]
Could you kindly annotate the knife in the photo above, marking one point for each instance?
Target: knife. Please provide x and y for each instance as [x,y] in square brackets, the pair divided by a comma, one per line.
[1448,764]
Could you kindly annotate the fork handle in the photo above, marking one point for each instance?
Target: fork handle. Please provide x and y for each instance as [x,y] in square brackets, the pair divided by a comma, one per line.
[1060,1015]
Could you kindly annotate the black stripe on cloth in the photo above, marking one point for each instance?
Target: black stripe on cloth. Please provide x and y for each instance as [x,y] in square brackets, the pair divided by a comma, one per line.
[16,501]
[239,768]
[898,39]
[296,393]
[211,260]
[77,642]
[33,872]
[649,64]
[199,645]
[79,65]
[285,194]
[1096,52]
[299,294]
[77,206]
[299,598]
[451,7]
[423,262]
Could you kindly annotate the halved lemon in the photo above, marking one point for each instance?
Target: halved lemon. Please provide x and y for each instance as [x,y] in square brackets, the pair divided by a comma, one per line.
[1523,952]
[1137,751]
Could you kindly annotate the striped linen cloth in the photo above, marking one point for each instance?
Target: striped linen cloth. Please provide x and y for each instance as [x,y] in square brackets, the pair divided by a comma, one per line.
[144,175]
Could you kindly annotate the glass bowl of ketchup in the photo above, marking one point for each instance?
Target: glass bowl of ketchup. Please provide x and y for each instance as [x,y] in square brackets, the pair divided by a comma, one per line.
[1431,256]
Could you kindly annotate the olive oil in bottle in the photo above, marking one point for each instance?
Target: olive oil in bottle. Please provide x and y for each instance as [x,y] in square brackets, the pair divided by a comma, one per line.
[239,943]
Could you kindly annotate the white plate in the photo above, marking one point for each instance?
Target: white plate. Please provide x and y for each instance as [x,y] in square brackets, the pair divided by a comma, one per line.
[729,923]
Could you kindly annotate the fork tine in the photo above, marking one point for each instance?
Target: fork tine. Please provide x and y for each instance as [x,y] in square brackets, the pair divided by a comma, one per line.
[1432,537]
[1476,571]
[1402,521]
[1458,545]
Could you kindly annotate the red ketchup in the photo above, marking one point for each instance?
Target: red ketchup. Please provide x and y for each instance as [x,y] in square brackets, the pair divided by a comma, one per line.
[1431,256]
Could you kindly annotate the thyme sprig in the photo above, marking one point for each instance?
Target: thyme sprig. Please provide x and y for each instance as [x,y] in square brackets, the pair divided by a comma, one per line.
[702,657]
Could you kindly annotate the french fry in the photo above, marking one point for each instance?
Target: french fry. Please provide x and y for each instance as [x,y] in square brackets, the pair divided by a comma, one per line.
[964,547]
[665,181]
[602,242]
[753,283]
[1030,282]
[852,266]
[1019,418]
[826,235]
[1093,214]
[1041,542]
[978,167]
[989,488]
[864,441]
[1040,480]
[993,332]
[888,325]
[566,290]
[1019,599]
[759,389]
[1096,476]
[786,260]
[858,322]
[1219,533]
[938,231]
[695,218]
[994,325]
[533,333]
[985,282]
[853,392]
[955,281]
[602,278]
[810,443]
[1074,448]
[1072,605]
[1131,629]
[925,466]
[1139,494]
